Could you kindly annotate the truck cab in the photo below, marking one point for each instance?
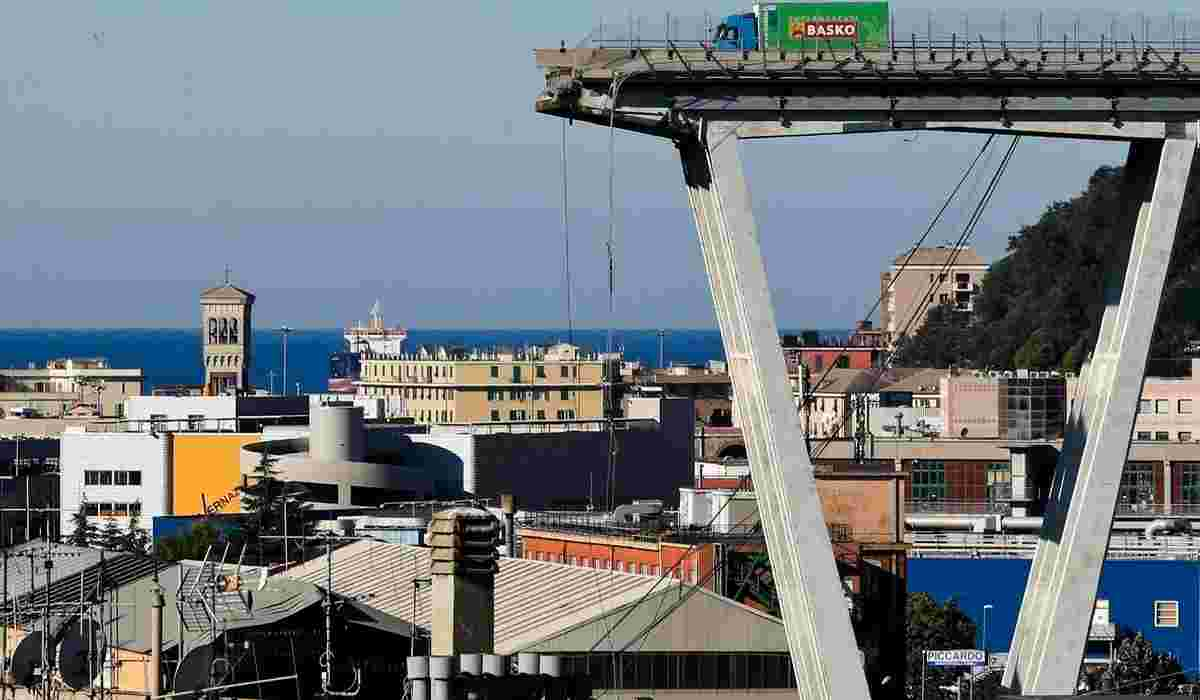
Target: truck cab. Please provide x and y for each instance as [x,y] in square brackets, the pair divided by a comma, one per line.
[737,33]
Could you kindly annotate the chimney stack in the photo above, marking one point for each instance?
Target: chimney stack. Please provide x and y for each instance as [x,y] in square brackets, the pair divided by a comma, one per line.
[463,569]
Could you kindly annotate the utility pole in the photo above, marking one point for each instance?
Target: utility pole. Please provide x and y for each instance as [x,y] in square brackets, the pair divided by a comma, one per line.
[285,330]
[661,335]
[271,382]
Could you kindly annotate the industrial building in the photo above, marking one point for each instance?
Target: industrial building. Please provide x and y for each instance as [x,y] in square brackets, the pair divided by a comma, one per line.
[455,385]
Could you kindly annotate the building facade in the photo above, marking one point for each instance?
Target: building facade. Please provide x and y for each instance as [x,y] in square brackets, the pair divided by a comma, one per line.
[72,385]
[447,385]
[226,326]
[933,276]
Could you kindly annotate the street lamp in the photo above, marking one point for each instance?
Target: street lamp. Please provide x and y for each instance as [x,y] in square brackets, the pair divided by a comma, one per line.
[986,651]
[285,330]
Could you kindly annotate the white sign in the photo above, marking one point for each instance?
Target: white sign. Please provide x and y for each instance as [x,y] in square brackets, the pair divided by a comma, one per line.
[955,657]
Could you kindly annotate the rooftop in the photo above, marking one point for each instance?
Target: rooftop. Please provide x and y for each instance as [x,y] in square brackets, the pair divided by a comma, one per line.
[940,255]
[227,292]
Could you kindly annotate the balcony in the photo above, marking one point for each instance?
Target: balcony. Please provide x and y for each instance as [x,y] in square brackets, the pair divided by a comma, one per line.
[940,506]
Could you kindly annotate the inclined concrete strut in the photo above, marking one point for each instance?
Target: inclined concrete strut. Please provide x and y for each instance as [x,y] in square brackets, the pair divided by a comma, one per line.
[820,638]
[1060,593]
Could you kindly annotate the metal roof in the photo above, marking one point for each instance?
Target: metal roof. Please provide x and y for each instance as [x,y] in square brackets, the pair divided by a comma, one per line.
[535,600]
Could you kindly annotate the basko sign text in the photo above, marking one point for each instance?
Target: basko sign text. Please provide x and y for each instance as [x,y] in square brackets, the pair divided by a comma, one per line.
[955,657]
[822,29]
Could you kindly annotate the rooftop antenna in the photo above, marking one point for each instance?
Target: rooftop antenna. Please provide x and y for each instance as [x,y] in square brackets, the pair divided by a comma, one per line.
[227,271]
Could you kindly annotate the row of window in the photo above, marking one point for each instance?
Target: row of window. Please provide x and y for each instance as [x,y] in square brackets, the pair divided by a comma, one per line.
[539,371]
[690,574]
[26,462]
[522,394]
[410,372]
[1162,435]
[223,331]
[112,477]
[519,414]
[1163,406]
[105,509]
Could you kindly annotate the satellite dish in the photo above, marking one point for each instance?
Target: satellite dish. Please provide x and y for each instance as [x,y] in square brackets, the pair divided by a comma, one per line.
[195,671]
[81,655]
[26,658]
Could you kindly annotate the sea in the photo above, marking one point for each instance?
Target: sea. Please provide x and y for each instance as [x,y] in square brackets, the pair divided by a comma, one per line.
[172,355]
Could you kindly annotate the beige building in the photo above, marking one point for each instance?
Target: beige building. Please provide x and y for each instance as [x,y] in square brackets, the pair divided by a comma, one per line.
[929,280]
[225,325]
[441,385]
[68,386]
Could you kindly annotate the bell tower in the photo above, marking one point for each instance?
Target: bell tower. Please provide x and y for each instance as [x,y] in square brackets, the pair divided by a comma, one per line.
[225,328]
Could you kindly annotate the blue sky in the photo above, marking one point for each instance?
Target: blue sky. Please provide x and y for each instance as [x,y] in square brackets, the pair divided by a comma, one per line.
[332,153]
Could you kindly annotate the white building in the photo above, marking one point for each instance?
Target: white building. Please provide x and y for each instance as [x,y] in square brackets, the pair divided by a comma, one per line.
[68,383]
[178,413]
[118,475]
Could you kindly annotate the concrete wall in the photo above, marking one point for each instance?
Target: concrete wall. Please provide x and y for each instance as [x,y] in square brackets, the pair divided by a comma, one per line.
[112,451]
[971,403]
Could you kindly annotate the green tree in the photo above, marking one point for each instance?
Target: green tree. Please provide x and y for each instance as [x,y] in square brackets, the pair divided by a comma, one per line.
[83,532]
[1137,670]
[111,536]
[190,546]
[136,539]
[944,340]
[931,627]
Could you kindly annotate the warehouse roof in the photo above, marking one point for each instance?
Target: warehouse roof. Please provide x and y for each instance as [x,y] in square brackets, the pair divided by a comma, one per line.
[539,602]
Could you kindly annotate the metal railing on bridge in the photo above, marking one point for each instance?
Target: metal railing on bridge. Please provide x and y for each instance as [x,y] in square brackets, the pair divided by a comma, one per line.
[996,29]
[1023,546]
[1164,510]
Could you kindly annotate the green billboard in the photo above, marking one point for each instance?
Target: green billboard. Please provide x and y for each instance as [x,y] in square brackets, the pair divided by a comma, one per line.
[813,26]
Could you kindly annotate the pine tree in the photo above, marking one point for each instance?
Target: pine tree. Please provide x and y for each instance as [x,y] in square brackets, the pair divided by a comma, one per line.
[111,536]
[83,533]
[136,540]
[263,499]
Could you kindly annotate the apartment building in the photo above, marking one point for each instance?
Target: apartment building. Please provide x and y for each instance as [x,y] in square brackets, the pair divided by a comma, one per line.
[69,385]
[454,385]
[944,275]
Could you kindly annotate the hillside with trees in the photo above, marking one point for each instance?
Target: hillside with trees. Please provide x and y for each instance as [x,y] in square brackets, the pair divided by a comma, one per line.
[1040,306]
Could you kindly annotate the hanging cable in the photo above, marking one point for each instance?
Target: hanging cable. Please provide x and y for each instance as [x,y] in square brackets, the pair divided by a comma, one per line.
[927,297]
[904,265]
[567,239]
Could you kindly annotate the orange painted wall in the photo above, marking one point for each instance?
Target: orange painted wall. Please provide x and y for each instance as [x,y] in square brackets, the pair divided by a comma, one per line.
[620,555]
[207,464]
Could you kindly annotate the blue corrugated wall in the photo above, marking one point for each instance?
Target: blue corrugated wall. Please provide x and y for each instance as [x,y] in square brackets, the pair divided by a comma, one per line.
[1130,586]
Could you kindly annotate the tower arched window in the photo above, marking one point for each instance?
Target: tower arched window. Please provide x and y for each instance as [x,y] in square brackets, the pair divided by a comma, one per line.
[224,331]
[233,331]
[212,331]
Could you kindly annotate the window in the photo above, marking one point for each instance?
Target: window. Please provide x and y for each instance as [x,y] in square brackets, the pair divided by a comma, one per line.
[1166,613]
[1162,406]
[1185,436]
[212,331]
[562,371]
[943,298]
[928,480]
[224,331]
[541,415]
[491,394]
[1185,406]
[1145,406]
[136,508]
[541,371]
[120,478]
[1143,435]
[1137,487]
[92,509]
[233,331]
[495,415]
[538,394]
[495,372]
[564,394]
[942,277]
[158,422]
[91,477]
[1162,435]
[106,478]
[195,422]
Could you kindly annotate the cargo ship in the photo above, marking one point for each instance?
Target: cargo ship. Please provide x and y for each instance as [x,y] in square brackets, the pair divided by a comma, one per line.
[374,338]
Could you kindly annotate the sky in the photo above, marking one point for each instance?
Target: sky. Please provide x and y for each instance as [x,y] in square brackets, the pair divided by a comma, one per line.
[335,153]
